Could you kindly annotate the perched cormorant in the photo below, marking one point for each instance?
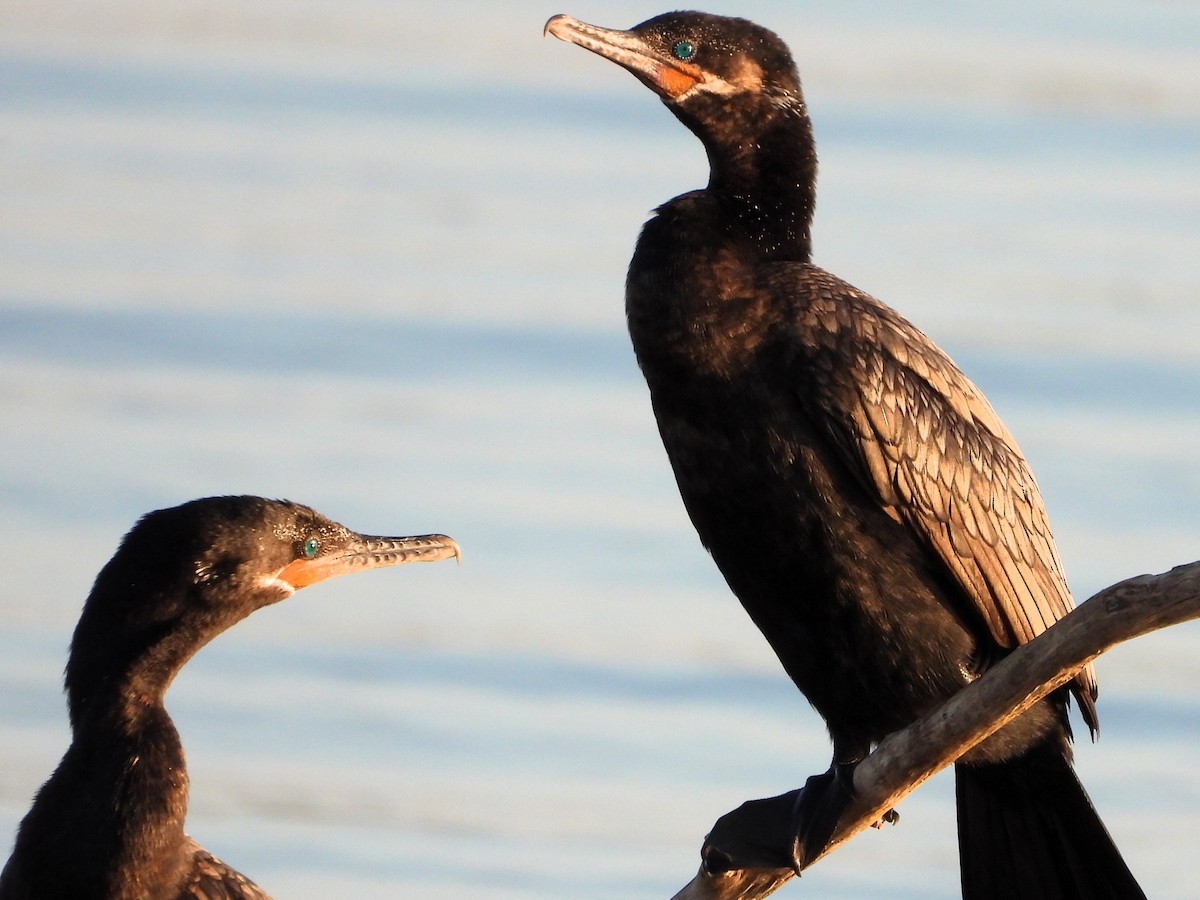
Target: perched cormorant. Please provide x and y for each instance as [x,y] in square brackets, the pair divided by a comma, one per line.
[859,494]
[108,825]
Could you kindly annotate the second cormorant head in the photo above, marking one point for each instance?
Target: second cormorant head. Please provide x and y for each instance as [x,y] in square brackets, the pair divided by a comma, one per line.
[185,574]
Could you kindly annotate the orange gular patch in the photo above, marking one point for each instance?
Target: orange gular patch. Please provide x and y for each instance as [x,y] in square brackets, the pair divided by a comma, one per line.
[675,82]
[303,572]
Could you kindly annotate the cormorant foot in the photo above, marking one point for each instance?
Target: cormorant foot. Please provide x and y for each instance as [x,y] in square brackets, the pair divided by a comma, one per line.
[818,807]
[755,836]
[891,817]
[784,832]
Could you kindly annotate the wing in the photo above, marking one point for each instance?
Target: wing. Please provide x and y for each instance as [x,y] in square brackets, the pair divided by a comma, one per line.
[932,449]
[212,879]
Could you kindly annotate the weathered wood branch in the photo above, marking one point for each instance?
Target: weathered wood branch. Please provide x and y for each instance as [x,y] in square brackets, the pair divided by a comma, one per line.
[905,759]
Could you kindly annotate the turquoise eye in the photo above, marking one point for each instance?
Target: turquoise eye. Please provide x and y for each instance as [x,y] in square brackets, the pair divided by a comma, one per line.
[684,50]
[311,546]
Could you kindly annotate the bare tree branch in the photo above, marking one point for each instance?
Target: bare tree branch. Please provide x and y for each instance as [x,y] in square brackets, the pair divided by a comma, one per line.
[903,760]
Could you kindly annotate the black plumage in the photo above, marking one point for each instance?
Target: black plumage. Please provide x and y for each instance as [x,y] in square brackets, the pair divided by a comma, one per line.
[109,824]
[861,497]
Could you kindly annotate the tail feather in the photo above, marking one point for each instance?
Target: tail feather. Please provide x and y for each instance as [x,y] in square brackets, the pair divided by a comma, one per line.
[1026,829]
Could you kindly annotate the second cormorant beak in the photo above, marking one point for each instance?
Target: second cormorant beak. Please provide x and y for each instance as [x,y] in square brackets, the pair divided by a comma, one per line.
[667,76]
[367,552]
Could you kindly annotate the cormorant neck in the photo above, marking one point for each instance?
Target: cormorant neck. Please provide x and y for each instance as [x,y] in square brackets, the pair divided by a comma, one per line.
[763,167]
[116,706]
[118,714]
[123,658]
[110,819]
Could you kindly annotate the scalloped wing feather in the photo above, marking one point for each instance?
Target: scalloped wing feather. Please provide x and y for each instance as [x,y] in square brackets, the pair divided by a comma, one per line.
[213,879]
[937,456]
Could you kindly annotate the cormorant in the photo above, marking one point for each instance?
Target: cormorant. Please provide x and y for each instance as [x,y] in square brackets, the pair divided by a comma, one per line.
[861,497]
[108,825]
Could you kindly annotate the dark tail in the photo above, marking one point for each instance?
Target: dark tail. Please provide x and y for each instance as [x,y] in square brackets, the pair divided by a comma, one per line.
[1027,830]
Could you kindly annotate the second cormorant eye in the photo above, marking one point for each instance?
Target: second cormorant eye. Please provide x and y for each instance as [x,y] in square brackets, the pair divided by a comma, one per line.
[311,546]
[683,50]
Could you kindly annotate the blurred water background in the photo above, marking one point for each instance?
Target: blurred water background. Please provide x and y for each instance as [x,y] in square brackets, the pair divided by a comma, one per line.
[370,256]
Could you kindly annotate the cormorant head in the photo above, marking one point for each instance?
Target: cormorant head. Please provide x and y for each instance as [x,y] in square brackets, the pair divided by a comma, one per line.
[723,77]
[185,574]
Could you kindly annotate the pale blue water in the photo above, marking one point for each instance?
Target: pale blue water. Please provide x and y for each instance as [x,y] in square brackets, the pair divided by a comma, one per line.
[370,256]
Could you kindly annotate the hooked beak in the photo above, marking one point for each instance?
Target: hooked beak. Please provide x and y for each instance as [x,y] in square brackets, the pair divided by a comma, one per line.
[368,552]
[670,78]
